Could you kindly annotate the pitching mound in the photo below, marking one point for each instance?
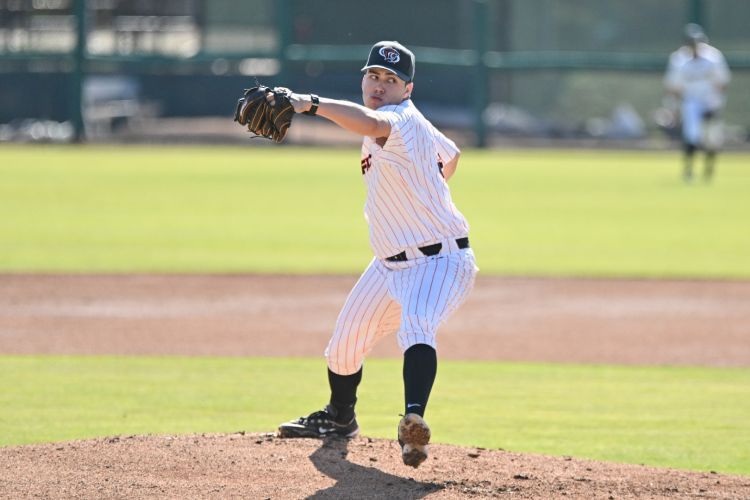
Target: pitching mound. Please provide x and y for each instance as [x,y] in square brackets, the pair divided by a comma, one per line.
[263,466]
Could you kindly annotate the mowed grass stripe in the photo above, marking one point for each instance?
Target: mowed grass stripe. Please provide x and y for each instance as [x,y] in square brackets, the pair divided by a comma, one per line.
[691,418]
[285,209]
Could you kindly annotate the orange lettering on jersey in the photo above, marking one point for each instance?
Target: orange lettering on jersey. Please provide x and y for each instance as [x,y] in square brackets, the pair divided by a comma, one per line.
[365,163]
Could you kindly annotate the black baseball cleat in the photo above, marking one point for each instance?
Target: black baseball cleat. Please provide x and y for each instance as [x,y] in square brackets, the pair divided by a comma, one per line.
[319,424]
[413,436]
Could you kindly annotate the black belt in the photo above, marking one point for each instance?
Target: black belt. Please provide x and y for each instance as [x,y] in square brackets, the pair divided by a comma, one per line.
[429,250]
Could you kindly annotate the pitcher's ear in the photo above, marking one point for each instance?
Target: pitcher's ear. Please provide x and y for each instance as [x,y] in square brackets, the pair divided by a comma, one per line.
[409,90]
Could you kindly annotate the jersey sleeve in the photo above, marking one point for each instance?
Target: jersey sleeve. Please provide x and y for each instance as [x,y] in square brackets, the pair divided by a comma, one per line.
[399,141]
[446,148]
[723,75]
[395,120]
[672,75]
[414,137]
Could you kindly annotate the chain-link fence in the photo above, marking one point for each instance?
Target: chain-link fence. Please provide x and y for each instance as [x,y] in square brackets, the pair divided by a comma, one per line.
[571,69]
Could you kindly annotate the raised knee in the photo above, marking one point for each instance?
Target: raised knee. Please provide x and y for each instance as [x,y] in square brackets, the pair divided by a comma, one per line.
[342,361]
[343,366]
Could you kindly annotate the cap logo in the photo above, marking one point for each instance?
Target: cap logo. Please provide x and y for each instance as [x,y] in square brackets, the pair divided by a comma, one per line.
[390,55]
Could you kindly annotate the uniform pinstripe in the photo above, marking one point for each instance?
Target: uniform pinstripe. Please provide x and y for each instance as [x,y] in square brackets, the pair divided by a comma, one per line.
[408,206]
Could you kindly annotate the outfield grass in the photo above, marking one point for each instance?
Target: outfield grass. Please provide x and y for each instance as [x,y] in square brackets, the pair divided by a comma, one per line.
[691,418]
[284,209]
[281,209]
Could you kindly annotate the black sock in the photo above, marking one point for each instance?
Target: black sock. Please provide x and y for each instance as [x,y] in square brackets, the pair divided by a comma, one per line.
[420,368]
[689,154]
[709,168]
[344,393]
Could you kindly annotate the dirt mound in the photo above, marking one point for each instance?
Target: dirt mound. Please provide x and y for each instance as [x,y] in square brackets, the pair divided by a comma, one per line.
[263,466]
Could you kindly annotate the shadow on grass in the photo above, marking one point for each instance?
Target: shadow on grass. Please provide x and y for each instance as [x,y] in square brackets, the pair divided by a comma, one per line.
[357,481]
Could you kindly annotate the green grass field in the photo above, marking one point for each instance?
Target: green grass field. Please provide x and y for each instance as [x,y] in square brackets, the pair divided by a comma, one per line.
[694,418]
[274,209]
[269,209]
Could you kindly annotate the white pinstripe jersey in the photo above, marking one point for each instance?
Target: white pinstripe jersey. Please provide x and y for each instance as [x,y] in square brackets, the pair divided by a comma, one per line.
[408,201]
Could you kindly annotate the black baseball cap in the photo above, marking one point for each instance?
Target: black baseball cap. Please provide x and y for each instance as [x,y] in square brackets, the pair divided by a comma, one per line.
[394,57]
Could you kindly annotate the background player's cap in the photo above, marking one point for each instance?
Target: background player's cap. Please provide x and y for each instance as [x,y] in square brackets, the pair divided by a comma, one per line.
[394,57]
[694,33]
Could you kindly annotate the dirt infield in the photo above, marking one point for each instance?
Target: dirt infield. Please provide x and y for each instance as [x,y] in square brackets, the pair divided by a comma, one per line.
[643,322]
[561,320]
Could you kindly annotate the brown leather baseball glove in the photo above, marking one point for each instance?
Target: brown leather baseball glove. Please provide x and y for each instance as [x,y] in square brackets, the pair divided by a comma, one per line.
[266,112]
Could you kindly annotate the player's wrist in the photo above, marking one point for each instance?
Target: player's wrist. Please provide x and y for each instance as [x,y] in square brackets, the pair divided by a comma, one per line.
[312,103]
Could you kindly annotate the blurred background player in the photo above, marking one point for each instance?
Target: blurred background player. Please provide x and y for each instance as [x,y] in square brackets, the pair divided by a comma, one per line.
[696,80]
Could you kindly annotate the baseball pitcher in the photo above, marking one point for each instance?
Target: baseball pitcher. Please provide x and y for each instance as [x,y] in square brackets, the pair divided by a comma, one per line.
[423,268]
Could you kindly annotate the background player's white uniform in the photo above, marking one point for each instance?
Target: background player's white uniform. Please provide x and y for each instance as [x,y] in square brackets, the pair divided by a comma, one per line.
[408,206]
[700,82]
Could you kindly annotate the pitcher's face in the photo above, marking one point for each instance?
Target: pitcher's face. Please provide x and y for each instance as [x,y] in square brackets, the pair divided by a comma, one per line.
[381,87]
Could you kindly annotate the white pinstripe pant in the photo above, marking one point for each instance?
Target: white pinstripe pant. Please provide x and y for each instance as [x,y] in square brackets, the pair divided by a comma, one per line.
[693,121]
[412,298]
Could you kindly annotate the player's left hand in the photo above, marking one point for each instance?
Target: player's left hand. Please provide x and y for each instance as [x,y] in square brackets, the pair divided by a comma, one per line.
[266,112]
